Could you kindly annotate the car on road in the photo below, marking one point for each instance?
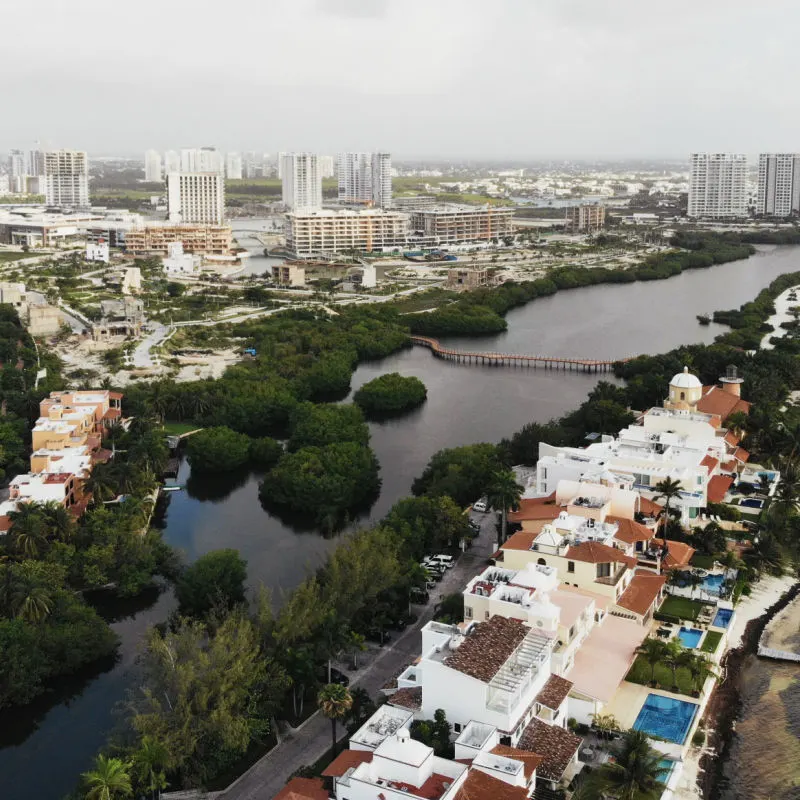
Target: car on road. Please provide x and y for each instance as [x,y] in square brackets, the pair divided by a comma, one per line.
[481,505]
[444,560]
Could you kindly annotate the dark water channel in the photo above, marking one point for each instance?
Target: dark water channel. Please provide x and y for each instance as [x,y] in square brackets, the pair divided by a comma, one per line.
[46,746]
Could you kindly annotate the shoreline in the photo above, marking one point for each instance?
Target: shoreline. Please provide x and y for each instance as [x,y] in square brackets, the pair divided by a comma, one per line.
[725,704]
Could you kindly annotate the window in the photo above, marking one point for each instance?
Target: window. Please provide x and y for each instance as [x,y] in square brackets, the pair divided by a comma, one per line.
[457,727]
[603,570]
[570,566]
[486,615]
[571,632]
[542,562]
[467,612]
[683,395]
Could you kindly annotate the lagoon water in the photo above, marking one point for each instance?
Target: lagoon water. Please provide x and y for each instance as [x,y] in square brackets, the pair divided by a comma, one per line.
[45,747]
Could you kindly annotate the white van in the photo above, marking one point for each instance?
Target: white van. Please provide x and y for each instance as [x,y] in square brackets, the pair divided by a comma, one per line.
[480,505]
[445,561]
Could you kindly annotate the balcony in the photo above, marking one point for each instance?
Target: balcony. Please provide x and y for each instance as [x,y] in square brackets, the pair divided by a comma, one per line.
[611,580]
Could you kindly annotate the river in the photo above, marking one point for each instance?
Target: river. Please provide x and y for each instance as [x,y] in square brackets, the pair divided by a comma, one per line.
[45,748]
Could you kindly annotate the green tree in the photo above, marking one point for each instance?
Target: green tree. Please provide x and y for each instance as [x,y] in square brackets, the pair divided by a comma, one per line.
[652,651]
[150,762]
[108,779]
[215,580]
[390,394]
[218,450]
[463,473]
[669,490]
[334,701]
[504,492]
[635,772]
[673,657]
[319,425]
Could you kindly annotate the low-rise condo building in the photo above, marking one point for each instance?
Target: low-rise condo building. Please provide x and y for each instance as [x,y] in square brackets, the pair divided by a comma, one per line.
[155,239]
[452,224]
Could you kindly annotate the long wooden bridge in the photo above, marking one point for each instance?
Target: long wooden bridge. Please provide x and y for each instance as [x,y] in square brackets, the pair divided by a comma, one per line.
[515,359]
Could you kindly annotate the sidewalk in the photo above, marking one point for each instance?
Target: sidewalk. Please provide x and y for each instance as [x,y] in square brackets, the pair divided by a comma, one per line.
[268,775]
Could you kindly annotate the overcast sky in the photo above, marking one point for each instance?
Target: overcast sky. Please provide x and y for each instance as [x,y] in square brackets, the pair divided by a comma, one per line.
[420,78]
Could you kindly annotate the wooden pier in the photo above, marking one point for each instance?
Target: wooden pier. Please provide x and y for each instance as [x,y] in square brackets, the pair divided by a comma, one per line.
[777,655]
[515,359]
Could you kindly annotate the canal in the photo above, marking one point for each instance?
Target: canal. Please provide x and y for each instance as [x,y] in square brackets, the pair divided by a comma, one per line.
[47,745]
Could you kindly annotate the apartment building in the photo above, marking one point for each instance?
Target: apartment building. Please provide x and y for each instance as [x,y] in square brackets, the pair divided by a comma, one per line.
[585,218]
[197,197]
[202,159]
[365,178]
[301,181]
[452,224]
[36,163]
[289,275]
[233,166]
[155,239]
[467,277]
[778,184]
[66,174]
[16,164]
[717,185]
[326,232]
[152,166]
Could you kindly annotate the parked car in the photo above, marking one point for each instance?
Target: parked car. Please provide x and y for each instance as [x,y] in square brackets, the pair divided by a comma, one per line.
[445,560]
[480,505]
[336,676]
[474,525]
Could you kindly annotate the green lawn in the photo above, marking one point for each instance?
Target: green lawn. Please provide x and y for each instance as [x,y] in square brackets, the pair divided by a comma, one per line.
[702,561]
[640,673]
[178,428]
[7,256]
[711,642]
[681,607]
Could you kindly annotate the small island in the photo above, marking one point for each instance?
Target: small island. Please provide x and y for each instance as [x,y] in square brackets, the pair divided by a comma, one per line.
[390,394]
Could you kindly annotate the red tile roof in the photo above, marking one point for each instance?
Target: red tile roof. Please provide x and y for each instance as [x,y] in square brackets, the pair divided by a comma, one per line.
[115,395]
[723,404]
[554,692]
[718,487]
[679,554]
[487,648]
[597,553]
[556,744]
[409,697]
[629,531]
[537,512]
[345,760]
[731,438]
[432,789]
[729,466]
[530,761]
[642,592]
[521,540]
[480,786]
[302,789]
[710,463]
[741,454]
[112,413]
[649,507]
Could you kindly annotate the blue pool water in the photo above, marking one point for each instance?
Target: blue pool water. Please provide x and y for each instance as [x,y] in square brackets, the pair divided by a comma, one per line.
[690,637]
[666,764]
[666,718]
[770,476]
[723,617]
[712,583]
[752,502]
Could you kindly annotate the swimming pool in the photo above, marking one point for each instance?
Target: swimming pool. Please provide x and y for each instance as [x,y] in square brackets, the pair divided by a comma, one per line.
[667,765]
[752,502]
[713,583]
[722,618]
[666,718]
[690,637]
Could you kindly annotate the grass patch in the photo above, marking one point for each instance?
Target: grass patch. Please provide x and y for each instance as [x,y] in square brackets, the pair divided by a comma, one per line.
[681,607]
[179,428]
[711,642]
[640,673]
[6,257]
[702,561]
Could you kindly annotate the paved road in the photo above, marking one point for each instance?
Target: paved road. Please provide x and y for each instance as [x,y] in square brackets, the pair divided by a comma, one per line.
[304,747]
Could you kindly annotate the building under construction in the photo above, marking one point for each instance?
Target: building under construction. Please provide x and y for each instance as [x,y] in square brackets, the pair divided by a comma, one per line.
[196,239]
[453,224]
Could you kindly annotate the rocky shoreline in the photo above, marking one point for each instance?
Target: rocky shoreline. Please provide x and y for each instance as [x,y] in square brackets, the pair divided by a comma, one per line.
[725,704]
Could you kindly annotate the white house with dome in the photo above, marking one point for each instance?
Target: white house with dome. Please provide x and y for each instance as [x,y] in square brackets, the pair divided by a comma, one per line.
[685,391]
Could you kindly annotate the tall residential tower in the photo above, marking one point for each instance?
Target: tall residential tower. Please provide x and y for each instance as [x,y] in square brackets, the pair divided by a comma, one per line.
[197,197]
[152,166]
[66,175]
[365,178]
[301,181]
[778,184]
[718,185]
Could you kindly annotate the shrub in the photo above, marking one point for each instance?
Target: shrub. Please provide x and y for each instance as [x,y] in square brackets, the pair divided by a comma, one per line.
[390,394]
[265,453]
[699,738]
[218,449]
[215,579]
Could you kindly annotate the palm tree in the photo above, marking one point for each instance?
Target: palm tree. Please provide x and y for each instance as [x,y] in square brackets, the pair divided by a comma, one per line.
[109,779]
[673,658]
[766,554]
[699,669]
[334,701]
[693,580]
[731,561]
[149,765]
[636,771]
[30,602]
[504,493]
[652,650]
[101,484]
[61,523]
[669,490]
[28,532]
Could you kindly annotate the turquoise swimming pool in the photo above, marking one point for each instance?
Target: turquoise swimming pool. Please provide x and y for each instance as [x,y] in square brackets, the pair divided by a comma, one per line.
[690,637]
[666,718]
[722,618]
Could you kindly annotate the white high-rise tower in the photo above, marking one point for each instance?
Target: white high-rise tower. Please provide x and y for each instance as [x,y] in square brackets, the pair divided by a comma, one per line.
[197,197]
[66,178]
[778,184]
[233,166]
[152,166]
[365,178]
[301,181]
[718,185]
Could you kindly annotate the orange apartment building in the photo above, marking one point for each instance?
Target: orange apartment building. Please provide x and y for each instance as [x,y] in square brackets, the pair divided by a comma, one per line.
[197,239]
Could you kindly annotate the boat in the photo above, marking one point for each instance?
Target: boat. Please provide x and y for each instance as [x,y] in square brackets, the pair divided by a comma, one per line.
[171,488]
[704,319]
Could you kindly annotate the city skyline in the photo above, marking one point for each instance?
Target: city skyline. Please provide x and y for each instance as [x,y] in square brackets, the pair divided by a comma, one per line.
[512,83]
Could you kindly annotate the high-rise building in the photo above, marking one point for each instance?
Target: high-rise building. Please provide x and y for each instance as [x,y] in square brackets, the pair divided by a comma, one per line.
[202,159]
[36,163]
[66,175]
[327,167]
[152,166]
[301,181]
[16,164]
[778,184]
[365,178]
[172,162]
[233,166]
[718,185]
[197,197]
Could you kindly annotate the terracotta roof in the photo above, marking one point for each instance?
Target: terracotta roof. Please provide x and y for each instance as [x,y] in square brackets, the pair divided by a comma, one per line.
[115,395]
[535,508]
[554,692]
[741,454]
[112,413]
[5,523]
[679,554]
[710,463]
[480,786]
[649,507]
[530,761]
[718,487]
[597,553]
[642,592]
[629,531]
[729,466]
[345,760]
[409,697]
[101,456]
[487,648]
[302,789]
[723,404]
[557,746]
[521,540]
[732,439]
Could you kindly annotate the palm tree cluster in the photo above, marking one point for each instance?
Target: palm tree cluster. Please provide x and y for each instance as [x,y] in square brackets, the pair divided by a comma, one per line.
[144,774]
[504,493]
[675,656]
[635,773]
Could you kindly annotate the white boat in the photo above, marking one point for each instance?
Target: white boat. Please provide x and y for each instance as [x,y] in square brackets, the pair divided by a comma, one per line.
[171,488]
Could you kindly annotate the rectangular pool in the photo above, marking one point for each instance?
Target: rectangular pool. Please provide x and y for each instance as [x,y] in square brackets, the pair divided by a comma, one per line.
[666,718]
[666,765]
[752,502]
[690,637]
[722,618]
[713,583]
